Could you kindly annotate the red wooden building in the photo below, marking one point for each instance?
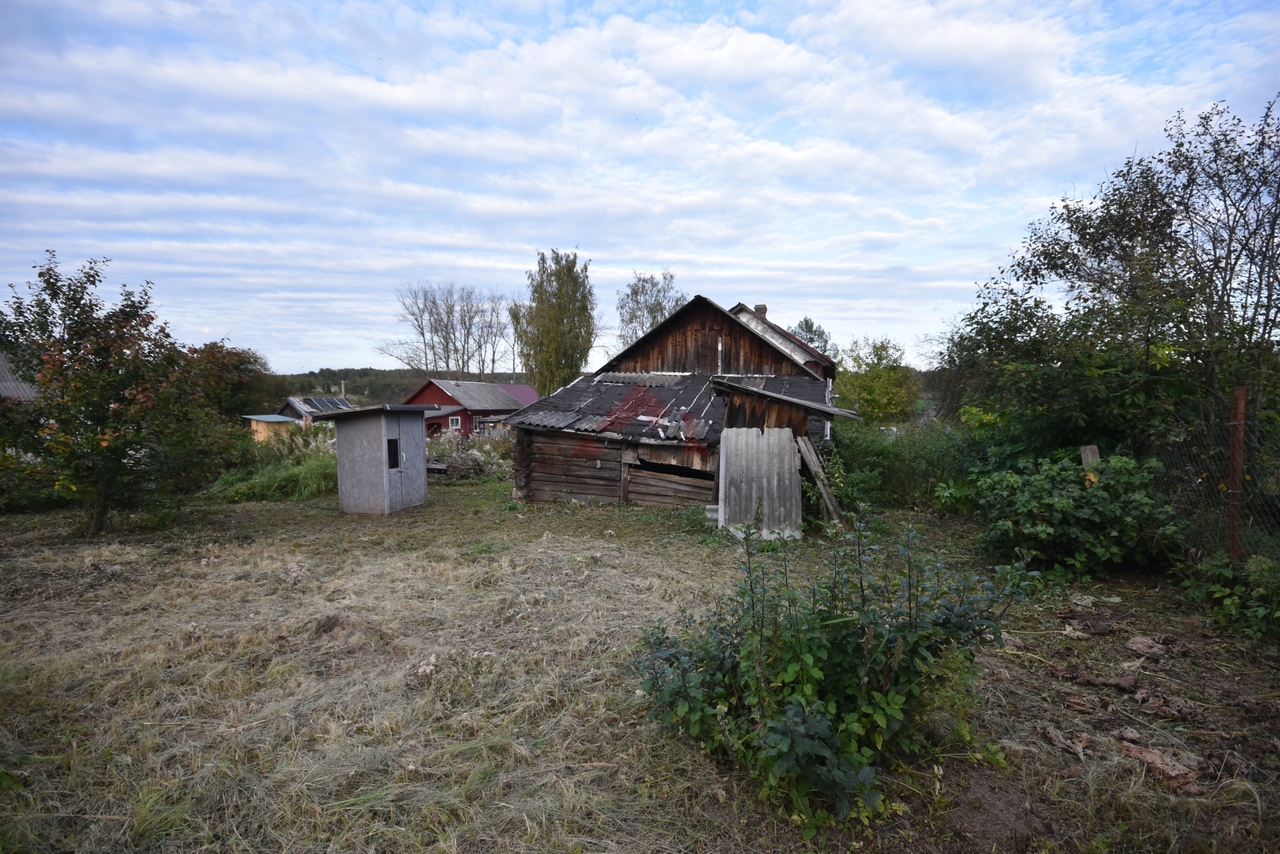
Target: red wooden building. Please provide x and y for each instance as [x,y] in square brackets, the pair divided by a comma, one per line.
[471,407]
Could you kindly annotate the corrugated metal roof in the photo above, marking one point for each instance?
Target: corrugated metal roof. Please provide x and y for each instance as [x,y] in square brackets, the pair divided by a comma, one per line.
[271,419]
[479,396]
[11,386]
[311,406]
[655,407]
[523,393]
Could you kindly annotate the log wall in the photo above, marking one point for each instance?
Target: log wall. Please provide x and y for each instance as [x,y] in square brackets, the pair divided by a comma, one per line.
[553,466]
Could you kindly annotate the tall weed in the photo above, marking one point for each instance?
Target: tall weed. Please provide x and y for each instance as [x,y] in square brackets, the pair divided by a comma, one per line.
[295,466]
[809,685]
[897,466]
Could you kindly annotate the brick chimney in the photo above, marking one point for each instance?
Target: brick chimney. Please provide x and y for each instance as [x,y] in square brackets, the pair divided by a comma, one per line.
[762,309]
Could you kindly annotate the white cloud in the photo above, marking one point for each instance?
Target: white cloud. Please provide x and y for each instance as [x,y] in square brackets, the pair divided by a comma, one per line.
[278,168]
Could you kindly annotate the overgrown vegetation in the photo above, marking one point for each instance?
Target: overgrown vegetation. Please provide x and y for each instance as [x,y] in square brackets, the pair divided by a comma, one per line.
[481,457]
[901,466]
[124,416]
[1070,519]
[809,685]
[298,465]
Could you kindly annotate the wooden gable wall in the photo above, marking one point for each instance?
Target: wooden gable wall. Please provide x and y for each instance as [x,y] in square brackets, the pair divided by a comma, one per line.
[705,340]
[433,393]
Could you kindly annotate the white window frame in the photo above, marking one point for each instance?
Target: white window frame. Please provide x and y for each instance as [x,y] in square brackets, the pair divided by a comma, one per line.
[455,422]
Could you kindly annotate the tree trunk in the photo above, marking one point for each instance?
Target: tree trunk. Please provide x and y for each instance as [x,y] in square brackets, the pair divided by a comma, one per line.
[95,513]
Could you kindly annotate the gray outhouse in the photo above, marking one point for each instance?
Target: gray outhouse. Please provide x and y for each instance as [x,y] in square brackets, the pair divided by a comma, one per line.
[382,457]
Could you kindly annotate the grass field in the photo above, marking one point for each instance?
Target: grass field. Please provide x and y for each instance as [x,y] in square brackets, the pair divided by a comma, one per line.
[280,677]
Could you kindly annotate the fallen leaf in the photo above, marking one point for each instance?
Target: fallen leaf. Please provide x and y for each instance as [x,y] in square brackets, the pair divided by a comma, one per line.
[1166,706]
[1082,704]
[1076,745]
[1144,646]
[1177,777]
[1128,733]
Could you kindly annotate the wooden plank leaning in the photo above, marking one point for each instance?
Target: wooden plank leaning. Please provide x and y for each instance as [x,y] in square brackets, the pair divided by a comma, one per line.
[809,454]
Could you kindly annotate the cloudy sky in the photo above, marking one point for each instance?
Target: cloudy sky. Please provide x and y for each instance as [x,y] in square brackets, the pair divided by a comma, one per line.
[278,168]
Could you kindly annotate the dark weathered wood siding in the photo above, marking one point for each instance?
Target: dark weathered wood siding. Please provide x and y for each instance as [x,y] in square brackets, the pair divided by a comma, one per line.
[551,466]
[707,341]
[748,410]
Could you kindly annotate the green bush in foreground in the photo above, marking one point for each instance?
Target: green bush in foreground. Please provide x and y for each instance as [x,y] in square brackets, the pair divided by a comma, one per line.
[808,687]
[1074,521]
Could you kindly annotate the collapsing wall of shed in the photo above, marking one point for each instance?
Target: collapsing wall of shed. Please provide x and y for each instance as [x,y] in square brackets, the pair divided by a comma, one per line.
[552,466]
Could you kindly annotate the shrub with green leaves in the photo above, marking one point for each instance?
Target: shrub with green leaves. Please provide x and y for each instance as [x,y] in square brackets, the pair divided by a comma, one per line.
[808,686]
[896,466]
[1244,596]
[1073,521]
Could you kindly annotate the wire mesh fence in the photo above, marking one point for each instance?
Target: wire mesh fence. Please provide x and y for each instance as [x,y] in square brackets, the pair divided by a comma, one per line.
[1196,453]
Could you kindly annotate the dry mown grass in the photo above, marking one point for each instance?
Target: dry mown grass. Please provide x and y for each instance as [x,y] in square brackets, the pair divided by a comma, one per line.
[454,679]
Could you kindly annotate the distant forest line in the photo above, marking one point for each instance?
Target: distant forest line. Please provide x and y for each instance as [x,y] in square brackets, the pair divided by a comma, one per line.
[368,386]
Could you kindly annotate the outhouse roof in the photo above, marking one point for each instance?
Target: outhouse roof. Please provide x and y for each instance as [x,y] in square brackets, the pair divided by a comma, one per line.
[385,407]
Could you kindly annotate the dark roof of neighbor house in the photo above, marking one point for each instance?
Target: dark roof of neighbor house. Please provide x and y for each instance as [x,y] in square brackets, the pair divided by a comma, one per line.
[11,386]
[311,406]
[784,342]
[478,396]
[384,407]
[656,407]
[521,392]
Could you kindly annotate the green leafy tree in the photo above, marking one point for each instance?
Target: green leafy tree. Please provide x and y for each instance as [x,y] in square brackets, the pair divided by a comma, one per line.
[1138,307]
[808,331]
[556,328]
[874,381]
[645,303]
[124,416]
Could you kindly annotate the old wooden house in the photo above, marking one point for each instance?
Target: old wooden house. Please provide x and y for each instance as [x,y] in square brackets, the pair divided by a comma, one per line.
[470,407]
[647,427]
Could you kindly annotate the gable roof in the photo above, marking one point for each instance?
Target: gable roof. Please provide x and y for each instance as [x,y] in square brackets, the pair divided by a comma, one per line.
[506,397]
[12,387]
[813,362]
[780,337]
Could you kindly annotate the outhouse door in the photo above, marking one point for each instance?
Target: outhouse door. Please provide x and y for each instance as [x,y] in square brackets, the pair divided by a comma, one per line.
[413,460]
[395,462]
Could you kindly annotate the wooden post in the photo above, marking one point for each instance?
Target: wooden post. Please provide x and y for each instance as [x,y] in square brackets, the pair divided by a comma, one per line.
[1235,478]
[809,454]
[1089,455]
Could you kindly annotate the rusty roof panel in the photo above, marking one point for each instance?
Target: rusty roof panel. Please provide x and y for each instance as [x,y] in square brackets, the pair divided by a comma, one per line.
[656,407]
